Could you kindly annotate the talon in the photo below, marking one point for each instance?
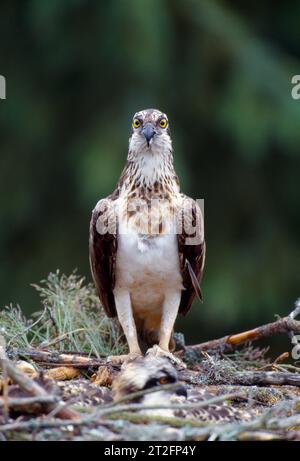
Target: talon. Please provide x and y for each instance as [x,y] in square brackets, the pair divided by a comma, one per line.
[125,358]
[159,352]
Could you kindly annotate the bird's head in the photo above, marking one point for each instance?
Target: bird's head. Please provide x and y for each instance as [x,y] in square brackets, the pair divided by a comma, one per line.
[149,372]
[150,132]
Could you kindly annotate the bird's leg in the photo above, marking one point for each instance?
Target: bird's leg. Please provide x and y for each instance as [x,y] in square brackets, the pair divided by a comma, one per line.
[125,316]
[169,314]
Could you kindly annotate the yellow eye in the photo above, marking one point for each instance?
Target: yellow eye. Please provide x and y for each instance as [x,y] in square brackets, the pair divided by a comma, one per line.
[163,380]
[163,123]
[136,123]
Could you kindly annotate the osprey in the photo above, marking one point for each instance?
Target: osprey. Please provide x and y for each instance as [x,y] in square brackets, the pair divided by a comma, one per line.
[165,387]
[147,246]
[145,373]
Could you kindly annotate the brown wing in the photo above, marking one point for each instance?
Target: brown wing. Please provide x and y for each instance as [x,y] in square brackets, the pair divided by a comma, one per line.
[103,250]
[191,247]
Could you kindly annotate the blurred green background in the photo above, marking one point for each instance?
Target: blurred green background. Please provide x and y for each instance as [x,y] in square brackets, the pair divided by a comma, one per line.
[76,72]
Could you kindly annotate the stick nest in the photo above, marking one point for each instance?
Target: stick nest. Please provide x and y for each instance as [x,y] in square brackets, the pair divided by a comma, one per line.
[55,381]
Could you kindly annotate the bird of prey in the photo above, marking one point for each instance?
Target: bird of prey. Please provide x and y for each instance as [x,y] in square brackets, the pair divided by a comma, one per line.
[147,247]
[152,372]
[145,373]
[149,373]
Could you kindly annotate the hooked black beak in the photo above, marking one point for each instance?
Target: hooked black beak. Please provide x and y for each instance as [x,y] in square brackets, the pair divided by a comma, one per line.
[181,391]
[148,131]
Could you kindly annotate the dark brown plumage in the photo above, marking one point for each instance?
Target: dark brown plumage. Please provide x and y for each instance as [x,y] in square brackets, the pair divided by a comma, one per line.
[103,251]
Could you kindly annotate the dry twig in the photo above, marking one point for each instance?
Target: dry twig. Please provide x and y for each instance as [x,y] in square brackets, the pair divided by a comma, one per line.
[32,387]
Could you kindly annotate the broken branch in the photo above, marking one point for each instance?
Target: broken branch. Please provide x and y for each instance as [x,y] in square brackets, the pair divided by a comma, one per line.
[285,325]
[55,358]
[33,388]
[265,378]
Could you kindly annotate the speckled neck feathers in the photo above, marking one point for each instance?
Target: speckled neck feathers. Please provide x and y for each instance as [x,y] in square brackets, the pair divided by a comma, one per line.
[149,173]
